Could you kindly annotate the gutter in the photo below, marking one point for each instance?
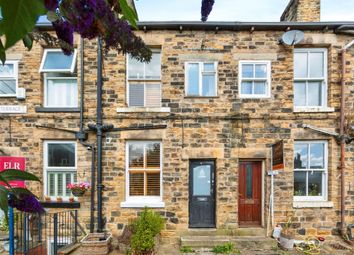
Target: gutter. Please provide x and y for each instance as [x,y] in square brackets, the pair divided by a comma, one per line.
[342,141]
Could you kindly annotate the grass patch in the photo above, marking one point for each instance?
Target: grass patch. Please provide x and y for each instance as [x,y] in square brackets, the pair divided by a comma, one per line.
[228,248]
[186,249]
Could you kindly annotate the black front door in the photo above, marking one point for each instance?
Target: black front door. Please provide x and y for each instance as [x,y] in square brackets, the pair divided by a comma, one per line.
[202,194]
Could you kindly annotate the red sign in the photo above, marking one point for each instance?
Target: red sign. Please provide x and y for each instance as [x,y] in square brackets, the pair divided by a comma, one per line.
[18,163]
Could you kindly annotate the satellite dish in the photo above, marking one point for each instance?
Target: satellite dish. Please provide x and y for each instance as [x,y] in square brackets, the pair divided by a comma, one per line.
[292,37]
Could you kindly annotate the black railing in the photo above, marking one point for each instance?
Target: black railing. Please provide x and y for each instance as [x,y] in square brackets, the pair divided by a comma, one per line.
[42,234]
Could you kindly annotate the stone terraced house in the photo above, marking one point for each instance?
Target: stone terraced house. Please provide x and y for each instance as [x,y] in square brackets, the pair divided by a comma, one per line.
[219,95]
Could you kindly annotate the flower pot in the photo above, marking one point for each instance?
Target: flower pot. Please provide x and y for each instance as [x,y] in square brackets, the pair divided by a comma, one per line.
[59,199]
[286,242]
[78,192]
[71,200]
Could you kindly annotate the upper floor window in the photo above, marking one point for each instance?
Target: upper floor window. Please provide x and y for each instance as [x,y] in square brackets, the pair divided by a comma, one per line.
[201,79]
[60,167]
[254,79]
[60,83]
[144,81]
[9,79]
[310,77]
[310,170]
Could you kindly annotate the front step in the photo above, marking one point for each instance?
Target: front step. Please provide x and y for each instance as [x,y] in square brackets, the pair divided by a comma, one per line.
[204,241]
[254,242]
[261,232]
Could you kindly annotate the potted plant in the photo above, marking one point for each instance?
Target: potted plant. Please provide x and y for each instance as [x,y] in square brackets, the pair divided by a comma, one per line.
[287,235]
[78,189]
[47,199]
[71,199]
[59,199]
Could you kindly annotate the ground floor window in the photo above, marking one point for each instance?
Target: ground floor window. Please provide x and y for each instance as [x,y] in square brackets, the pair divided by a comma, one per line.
[310,170]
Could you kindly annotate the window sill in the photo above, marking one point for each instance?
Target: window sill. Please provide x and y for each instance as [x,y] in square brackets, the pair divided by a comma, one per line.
[64,204]
[313,204]
[142,203]
[200,97]
[313,109]
[254,97]
[56,109]
[143,109]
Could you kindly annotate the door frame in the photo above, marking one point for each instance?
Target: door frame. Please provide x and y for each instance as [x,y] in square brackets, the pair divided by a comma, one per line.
[190,188]
[263,171]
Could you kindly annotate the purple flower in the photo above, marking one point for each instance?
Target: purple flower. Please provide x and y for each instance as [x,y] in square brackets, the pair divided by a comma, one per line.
[207,6]
[51,5]
[25,203]
[65,32]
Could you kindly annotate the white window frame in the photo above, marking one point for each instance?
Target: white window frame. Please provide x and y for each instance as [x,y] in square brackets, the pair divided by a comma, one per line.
[45,97]
[268,79]
[142,201]
[56,169]
[14,77]
[324,196]
[324,79]
[70,70]
[201,72]
[143,81]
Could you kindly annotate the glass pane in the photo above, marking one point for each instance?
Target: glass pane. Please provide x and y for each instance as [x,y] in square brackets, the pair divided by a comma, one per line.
[153,155]
[208,86]
[300,65]
[208,67]
[300,155]
[317,156]
[136,95]
[61,154]
[62,93]
[314,93]
[259,88]
[193,79]
[247,71]
[315,183]
[136,184]
[249,186]
[153,69]
[153,184]
[261,70]
[60,184]
[7,87]
[201,181]
[246,87]
[300,94]
[6,70]
[58,61]
[136,155]
[299,183]
[316,64]
[153,95]
[135,69]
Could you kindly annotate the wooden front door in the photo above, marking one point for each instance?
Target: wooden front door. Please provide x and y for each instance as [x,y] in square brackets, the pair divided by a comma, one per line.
[202,194]
[250,193]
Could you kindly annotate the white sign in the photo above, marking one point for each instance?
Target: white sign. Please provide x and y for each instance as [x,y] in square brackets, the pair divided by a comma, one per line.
[13,109]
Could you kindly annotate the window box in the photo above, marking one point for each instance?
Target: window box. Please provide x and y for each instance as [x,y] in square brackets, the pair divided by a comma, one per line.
[9,79]
[254,79]
[201,79]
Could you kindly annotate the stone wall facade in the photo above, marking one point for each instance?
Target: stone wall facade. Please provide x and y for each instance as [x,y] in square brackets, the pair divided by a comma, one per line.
[225,128]
[302,11]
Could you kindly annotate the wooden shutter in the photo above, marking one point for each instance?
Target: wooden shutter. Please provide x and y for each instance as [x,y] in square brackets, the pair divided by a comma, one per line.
[152,184]
[136,184]
[153,95]
[136,95]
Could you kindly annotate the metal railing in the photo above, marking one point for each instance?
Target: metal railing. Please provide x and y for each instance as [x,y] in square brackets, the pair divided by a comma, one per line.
[42,234]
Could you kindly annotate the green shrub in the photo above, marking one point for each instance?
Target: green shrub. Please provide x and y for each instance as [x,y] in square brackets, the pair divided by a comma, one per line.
[227,248]
[186,249]
[145,228]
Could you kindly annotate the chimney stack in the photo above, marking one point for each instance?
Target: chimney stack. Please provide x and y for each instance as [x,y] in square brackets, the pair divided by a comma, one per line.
[302,11]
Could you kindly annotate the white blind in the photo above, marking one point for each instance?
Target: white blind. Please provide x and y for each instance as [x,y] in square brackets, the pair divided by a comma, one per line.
[62,93]
[153,95]
[136,94]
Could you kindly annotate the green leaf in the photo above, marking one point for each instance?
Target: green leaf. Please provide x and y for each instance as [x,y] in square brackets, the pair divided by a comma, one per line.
[19,18]
[2,53]
[3,199]
[128,13]
[13,175]
[28,41]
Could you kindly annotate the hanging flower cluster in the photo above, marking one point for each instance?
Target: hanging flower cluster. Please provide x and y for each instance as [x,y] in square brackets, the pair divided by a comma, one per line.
[25,203]
[207,6]
[83,186]
[95,18]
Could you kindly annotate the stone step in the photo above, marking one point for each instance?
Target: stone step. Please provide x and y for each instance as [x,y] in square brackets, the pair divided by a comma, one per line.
[204,241]
[254,242]
[68,249]
[204,232]
[249,232]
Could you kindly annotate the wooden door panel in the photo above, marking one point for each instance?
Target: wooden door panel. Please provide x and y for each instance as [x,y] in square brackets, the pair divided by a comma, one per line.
[250,193]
